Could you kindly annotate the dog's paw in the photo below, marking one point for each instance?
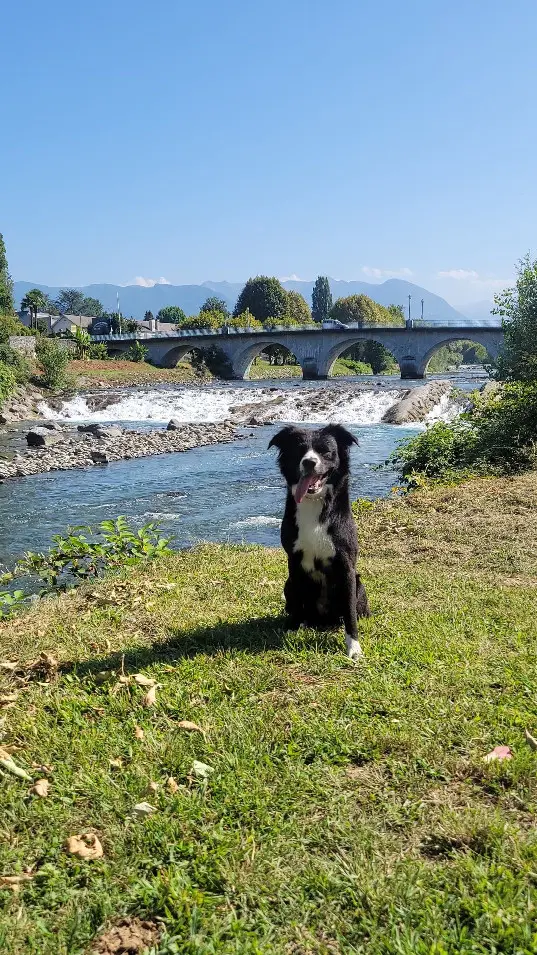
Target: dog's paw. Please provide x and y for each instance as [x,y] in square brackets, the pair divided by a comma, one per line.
[354,650]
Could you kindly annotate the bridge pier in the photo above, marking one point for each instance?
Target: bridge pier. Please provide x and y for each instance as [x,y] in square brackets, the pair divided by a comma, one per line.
[411,367]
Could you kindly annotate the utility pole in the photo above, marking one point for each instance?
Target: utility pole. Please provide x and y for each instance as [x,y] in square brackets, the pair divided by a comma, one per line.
[409,300]
[422,309]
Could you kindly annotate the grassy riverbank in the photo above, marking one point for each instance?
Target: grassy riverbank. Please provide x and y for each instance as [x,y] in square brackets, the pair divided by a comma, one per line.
[350,809]
[118,373]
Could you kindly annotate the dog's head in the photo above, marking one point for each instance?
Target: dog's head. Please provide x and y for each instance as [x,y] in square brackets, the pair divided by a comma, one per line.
[312,460]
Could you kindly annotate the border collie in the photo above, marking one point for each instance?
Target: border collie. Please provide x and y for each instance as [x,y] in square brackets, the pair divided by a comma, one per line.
[318,531]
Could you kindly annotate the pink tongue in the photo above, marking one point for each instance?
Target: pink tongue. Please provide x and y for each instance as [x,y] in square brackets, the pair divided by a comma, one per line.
[302,487]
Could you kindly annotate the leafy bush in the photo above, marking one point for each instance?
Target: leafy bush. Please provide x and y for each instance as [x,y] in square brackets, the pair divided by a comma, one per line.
[78,557]
[137,352]
[53,360]
[19,365]
[82,341]
[99,350]
[10,601]
[212,360]
[346,366]
[9,325]
[518,308]
[8,382]
[499,436]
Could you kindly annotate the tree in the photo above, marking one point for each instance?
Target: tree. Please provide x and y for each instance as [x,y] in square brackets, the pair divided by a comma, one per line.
[363,311]
[34,301]
[244,321]
[83,343]
[149,317]
[264,296]
[209,321]
[321,299]
[70,301]
[215,304]
[7,306]
[171,314]
[297,309]
[517,307]
[398,314]
[92,307]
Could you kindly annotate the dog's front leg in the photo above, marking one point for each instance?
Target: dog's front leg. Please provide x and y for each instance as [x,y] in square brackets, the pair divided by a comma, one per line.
[354,650]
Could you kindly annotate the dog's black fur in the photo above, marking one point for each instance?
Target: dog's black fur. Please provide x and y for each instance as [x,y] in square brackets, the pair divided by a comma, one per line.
[318,531]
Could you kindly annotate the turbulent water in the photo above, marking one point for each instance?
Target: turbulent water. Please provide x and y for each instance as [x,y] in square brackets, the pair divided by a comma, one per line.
[221,493]
[215,404]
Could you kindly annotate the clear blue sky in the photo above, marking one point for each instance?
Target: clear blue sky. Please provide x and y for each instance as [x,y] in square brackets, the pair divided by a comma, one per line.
[220,139]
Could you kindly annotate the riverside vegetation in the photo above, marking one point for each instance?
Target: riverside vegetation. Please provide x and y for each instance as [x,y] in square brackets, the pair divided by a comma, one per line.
[234,787]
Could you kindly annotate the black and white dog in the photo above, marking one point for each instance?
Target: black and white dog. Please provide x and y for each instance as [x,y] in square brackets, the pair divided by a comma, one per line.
[318,531]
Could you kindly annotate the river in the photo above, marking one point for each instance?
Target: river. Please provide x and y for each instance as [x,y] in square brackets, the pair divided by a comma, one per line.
[221,493]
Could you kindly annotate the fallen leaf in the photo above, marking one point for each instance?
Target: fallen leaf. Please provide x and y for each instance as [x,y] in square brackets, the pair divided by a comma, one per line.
[201,769]
[115,763]
[86,846]
[144,809]
[530,740]
[6,665]
[191,727]
[143,680]
[40,788]
[498,753]
[152,787]
[150,697]
[124,678]
[48,661]
[6,762]
[138,732]
[171,784]
[15,879]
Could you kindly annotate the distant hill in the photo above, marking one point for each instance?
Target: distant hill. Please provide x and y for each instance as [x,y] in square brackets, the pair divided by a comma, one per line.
[135,300]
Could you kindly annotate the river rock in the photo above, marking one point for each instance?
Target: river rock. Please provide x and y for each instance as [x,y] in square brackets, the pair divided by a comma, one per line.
[417,403]
[101,431]
[42,438]
[100,457]
[174,425]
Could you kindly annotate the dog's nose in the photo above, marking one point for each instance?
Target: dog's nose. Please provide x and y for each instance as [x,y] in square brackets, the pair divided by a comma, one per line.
[308,465]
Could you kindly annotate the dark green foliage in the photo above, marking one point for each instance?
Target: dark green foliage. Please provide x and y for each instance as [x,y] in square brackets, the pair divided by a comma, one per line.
[215,304]
[34,301]
[518,309]
[205,320]
[121,326]
[374,354]
[455,354]
[211,360]
[321,299]
[499,435]
[98,350]
[92,306]
[265,297]
[7,306]
[79,556]
[398,314]
[53,360]
[148,317]
[137,352]
[172,314]
[70,301]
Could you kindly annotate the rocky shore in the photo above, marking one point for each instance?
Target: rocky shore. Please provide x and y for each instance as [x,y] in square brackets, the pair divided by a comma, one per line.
[55,447]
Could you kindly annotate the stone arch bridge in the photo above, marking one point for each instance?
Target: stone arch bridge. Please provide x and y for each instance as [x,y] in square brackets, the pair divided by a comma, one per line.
[316,349]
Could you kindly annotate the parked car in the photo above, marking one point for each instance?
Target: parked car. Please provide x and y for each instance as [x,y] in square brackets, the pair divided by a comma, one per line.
[333,323]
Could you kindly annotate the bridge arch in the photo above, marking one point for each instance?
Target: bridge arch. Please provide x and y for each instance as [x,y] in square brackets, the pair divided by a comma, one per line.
[367,350]
[242,361]
[491,347]
[176,353]
[339,350]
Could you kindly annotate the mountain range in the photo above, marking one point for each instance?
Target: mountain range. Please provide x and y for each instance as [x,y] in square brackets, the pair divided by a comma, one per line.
[135,300]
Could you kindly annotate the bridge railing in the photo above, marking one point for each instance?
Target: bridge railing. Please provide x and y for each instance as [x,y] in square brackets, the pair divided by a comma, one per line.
[415,325]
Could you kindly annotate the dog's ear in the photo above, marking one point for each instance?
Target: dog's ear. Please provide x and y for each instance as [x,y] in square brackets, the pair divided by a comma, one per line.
[343,437]
[283,437]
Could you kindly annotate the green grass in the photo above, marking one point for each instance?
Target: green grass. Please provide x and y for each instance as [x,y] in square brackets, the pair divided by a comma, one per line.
[350,809]
[260,368]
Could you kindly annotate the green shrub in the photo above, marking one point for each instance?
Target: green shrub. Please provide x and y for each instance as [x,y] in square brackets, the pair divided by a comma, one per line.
[99,350]
[10,325]
[8,382]
[20,366]
[79,557]
[53,360]
[137,352]
[499,436]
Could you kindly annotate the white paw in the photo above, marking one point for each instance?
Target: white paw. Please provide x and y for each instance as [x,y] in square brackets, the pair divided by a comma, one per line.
[354,650]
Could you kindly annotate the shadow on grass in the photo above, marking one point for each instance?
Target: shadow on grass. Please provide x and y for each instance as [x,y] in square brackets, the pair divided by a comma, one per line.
[256,635]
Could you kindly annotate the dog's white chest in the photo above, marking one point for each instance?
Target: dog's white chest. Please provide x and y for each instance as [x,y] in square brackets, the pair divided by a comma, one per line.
[313,538]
